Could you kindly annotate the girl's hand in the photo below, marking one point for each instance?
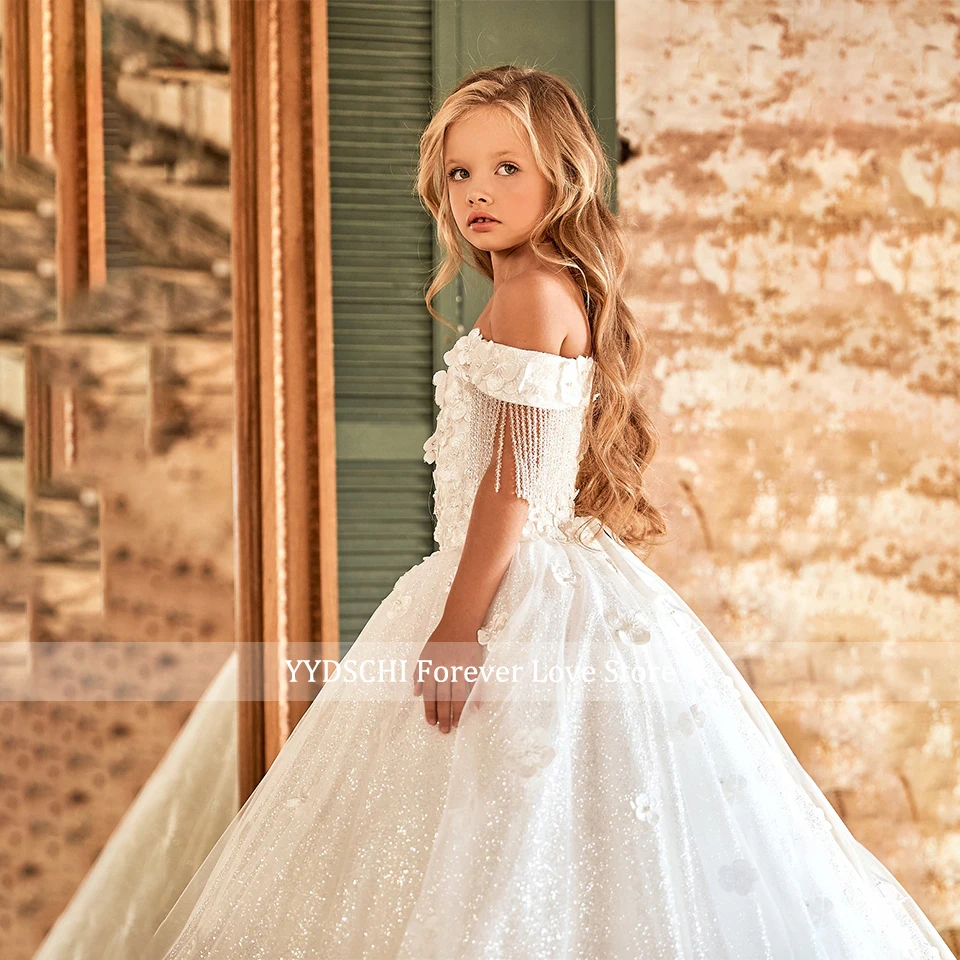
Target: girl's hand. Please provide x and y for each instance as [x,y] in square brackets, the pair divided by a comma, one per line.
[455,649]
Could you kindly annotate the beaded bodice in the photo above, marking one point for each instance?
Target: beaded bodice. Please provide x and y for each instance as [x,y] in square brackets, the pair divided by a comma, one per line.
[543,397]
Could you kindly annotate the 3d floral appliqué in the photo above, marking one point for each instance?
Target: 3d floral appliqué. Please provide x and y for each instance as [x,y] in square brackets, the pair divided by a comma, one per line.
[498,375]
[689,719]
[440,382]
[492,628]
[399,605]
[564,573]
[734,786]
[545,398]
[642,807]
[629,626]
[430,448]
[820,910]
[529,751]
[737,877]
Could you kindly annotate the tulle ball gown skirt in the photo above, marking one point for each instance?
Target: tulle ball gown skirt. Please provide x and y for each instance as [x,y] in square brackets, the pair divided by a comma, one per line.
[622,794]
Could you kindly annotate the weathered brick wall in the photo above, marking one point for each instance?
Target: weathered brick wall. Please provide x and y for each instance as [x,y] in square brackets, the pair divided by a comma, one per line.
[791,181]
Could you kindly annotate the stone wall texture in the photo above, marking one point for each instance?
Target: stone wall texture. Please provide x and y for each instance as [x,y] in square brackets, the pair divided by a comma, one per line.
[790,179]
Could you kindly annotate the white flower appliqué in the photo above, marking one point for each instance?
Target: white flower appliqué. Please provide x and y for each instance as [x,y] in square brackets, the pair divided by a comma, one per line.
[687,719]
[733,786]
[440,381]
[564,573]
[545,397]
[737,877]
[629,626]
[529,751]
[456,409]
[728,688]
[499,374]
[492,628]
[820,909]
[643,808]
[430,448]
[399,605]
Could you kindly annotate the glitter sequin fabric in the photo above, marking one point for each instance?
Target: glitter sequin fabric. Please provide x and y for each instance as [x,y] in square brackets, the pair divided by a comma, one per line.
[622,795]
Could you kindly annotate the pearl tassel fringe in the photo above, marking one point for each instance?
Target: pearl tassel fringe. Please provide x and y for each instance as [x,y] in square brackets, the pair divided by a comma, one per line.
[543,441]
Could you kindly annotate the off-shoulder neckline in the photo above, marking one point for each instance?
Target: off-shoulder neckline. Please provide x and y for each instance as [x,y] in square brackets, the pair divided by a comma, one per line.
[539,353]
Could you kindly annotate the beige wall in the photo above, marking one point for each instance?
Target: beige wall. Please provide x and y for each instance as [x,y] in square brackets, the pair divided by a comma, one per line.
[792,194]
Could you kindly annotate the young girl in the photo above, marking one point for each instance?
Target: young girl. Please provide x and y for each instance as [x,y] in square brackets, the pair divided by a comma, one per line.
[565,764]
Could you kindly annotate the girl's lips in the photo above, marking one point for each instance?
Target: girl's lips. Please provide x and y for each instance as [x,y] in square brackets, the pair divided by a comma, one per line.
[482,224]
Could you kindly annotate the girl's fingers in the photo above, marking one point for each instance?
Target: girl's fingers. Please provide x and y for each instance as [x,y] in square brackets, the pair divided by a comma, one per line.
[444,703]
[443,706]
[422,677]
[430,700]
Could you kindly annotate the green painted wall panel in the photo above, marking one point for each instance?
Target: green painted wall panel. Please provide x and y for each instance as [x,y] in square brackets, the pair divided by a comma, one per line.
[391,64]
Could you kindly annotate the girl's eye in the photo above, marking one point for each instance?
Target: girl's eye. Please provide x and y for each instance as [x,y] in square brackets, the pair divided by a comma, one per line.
[506,163]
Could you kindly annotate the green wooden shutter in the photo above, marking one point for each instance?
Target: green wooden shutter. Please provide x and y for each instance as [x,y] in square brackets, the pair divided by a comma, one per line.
[381,76]
[391,64]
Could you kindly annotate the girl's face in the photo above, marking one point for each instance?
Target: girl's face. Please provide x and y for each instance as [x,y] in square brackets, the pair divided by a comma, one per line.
[490,169]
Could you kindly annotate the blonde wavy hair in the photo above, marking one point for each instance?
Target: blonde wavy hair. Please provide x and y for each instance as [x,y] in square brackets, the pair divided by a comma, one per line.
[620,438]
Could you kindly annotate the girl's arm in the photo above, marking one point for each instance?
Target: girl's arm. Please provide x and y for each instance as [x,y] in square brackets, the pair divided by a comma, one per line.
[496,521]
[532,312]
[493,533]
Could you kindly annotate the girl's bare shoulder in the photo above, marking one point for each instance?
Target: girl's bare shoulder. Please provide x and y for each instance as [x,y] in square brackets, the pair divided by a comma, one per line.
[540,310]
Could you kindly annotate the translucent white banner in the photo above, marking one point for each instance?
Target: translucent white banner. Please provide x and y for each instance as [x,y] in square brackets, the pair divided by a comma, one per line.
[807,671]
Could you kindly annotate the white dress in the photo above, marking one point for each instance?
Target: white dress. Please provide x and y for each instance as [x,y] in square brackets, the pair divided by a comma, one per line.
[649,810]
